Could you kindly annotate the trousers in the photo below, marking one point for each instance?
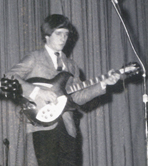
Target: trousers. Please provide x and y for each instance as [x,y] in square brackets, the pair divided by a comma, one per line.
[55,147]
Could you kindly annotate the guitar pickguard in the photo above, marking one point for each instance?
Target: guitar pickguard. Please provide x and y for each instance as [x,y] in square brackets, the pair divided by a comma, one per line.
[51,111]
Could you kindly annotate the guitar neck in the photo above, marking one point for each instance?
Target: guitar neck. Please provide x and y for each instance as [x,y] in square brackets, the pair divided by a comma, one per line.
[84,84]
[13,86]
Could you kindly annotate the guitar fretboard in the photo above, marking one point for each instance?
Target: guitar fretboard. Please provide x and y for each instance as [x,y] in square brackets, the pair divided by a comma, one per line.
[84,84]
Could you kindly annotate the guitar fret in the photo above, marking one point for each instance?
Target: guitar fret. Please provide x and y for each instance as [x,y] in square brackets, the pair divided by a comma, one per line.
[84,84]
[81,85]
[102,77]
[75,88]
[71,89]
[91,82]
[96,79]
[78,87]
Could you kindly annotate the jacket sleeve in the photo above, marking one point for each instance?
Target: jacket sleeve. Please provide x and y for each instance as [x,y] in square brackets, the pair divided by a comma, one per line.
[20,72]
[87,94]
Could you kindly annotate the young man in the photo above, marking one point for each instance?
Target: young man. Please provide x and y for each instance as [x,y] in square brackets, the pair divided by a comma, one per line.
[55,144]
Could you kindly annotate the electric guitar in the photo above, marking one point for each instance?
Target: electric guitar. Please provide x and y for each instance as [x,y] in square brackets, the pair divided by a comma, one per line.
[41,114]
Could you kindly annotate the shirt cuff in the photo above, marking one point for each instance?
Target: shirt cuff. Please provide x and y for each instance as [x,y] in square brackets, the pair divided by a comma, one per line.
[34,93]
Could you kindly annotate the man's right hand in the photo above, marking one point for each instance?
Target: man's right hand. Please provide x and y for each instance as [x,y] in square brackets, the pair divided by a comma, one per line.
[48,96]
[45,96]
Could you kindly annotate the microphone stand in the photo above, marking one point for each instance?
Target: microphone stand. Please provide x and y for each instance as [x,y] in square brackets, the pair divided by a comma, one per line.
[145,96]
[6,143]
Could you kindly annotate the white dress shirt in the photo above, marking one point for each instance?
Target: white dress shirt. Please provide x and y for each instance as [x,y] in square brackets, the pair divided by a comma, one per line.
[53,56]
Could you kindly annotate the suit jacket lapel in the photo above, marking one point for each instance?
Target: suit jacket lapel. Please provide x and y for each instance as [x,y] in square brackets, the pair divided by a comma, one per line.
[48,59]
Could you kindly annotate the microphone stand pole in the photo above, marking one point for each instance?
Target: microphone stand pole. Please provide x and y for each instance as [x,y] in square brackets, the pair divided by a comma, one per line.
[145,96]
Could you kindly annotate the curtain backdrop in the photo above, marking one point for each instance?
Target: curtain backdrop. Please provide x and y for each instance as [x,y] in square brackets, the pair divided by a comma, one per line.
[112,129]
[20,22]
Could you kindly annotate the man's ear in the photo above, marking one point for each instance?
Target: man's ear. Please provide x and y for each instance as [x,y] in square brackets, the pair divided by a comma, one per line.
[46,38]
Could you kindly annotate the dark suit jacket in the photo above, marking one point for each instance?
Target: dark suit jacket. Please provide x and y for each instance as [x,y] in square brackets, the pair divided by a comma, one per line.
[39,64]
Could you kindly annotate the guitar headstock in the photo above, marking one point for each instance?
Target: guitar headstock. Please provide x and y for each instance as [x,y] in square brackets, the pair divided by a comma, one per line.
[11,87]
[132,68]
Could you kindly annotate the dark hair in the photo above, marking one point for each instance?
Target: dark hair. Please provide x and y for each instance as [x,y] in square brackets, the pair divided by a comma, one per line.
[53,22]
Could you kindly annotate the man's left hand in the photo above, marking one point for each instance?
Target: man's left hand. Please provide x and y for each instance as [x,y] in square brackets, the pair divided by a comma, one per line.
[112,78]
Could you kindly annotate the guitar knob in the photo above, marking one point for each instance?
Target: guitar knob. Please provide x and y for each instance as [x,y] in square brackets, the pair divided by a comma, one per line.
[48,110]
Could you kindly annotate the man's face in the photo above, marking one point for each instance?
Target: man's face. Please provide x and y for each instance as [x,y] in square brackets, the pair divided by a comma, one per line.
[58,39]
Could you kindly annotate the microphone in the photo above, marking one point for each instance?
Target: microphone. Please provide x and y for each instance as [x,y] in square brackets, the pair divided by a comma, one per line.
[115,1]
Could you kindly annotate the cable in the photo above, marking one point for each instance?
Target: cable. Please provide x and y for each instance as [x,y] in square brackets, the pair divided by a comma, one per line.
[18,139]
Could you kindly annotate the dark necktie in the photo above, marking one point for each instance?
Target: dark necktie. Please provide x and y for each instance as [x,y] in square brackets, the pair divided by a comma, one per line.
[59,61]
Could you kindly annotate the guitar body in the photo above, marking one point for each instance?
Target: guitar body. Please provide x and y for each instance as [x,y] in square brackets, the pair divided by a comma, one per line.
[41,114]
[44,114]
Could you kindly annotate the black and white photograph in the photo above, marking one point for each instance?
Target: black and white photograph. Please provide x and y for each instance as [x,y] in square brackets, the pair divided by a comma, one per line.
[73,83]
